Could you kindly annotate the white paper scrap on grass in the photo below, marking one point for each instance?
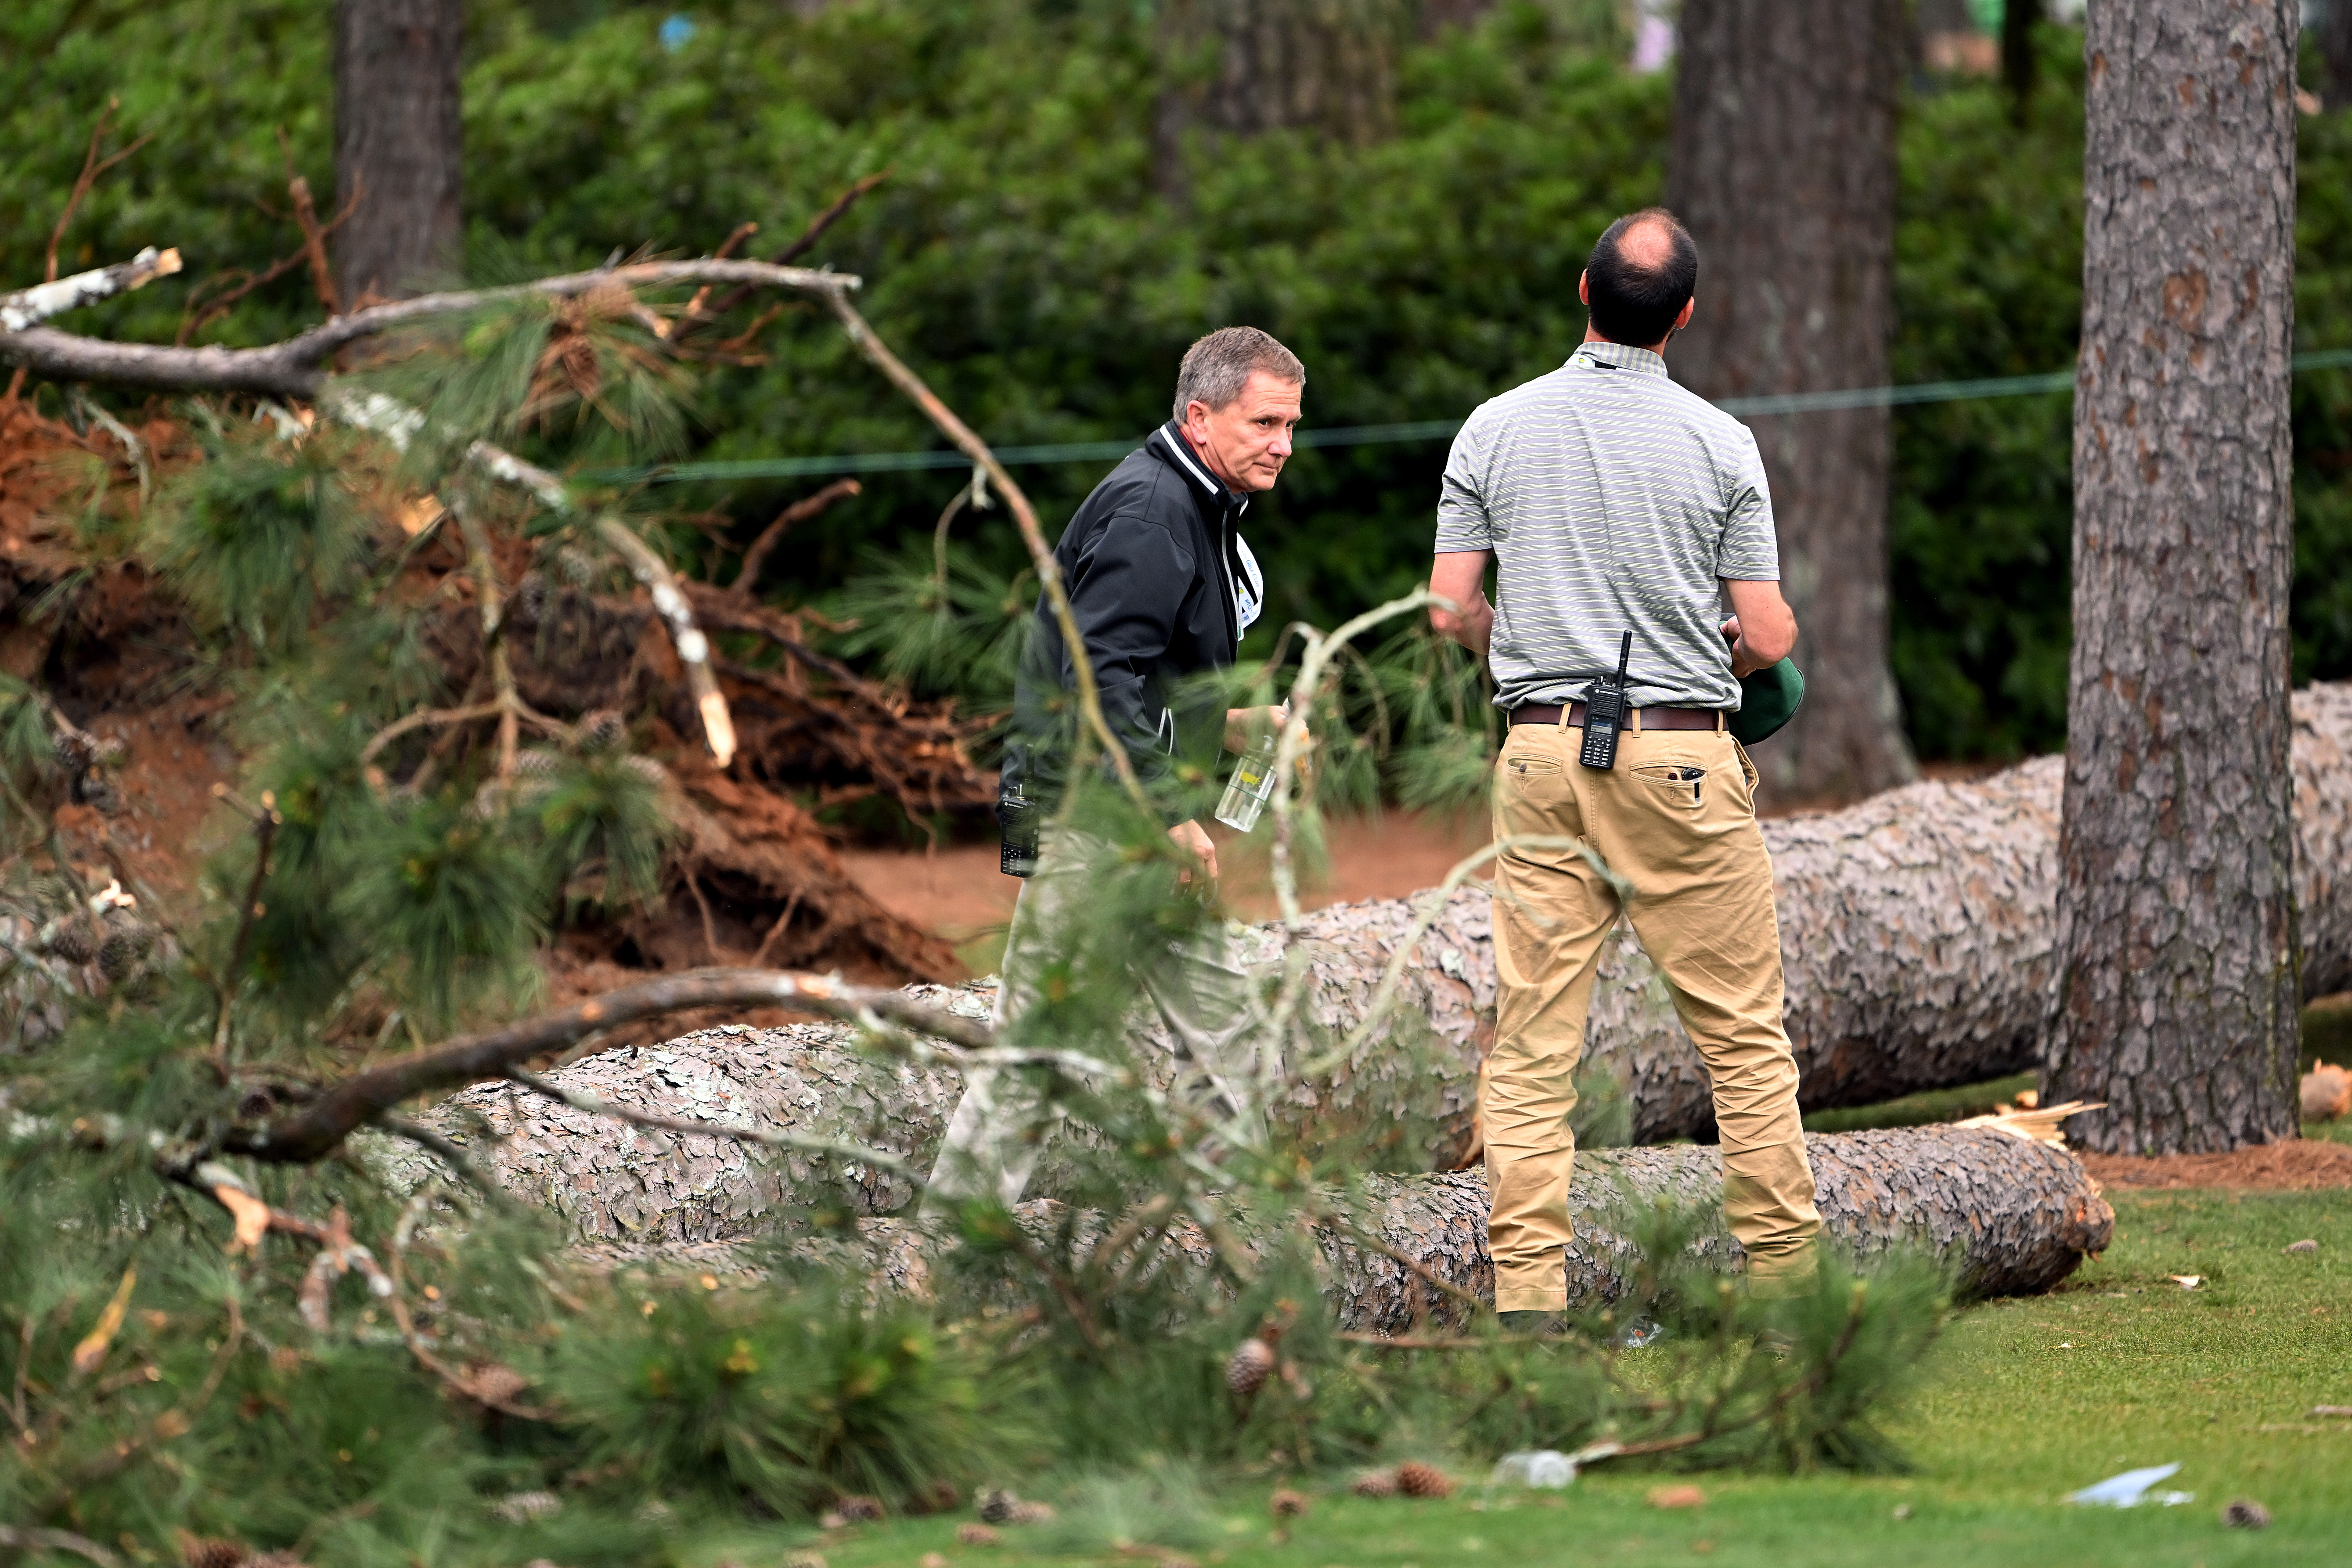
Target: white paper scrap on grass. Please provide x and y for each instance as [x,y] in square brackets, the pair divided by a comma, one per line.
[2130,1489]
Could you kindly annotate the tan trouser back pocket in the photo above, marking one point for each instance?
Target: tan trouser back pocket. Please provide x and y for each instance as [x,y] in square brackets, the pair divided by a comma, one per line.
[1680,780]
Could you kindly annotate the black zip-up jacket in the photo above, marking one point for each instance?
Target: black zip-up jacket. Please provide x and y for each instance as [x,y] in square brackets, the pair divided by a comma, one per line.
[1162,588]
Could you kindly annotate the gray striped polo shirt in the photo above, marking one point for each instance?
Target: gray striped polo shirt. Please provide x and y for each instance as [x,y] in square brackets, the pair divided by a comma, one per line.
[1612,499]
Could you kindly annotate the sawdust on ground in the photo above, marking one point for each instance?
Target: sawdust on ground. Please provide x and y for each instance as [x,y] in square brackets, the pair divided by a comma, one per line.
[2297,1165]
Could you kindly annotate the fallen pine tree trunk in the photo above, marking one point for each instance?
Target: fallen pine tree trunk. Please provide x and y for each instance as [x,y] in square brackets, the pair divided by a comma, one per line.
[2008,1214]
[2005,1214]
[810,1085]
[1917,934]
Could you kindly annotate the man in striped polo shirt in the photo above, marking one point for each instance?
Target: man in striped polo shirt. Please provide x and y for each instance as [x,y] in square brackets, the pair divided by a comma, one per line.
[1613,501]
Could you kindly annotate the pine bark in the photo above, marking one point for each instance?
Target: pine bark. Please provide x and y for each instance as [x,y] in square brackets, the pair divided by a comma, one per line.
[2007,1216]
[2177,910]
[399,139]
[1783,169]
[1277,64]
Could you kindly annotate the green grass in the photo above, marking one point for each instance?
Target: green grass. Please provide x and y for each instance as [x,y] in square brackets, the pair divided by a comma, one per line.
[1923,1108]
[2221,1379]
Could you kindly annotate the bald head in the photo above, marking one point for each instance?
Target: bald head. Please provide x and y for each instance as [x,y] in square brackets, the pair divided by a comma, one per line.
[1642,274]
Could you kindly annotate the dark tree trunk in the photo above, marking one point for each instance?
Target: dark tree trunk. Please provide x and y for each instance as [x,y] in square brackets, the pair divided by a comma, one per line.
[398,138]
[1254,66]
[1783,168]
[2176,920]
[2336,52]
[2018,19]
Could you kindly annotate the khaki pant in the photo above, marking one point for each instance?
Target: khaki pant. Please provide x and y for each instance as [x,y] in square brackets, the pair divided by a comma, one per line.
[1197,985]
[1701,901]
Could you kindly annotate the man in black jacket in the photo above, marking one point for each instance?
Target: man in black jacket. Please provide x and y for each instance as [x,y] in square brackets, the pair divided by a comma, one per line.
[1162,587]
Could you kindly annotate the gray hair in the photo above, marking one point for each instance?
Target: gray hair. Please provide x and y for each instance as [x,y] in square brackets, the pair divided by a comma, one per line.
[1218,366]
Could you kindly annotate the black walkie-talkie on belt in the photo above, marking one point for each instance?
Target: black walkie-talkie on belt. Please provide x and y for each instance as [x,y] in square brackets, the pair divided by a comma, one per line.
[1604,712]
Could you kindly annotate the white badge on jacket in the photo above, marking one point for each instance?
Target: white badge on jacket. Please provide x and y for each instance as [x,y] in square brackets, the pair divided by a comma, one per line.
[1249,591]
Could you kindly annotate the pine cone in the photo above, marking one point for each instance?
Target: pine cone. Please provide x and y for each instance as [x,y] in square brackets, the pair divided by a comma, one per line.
[97,790]
[996,1505]
[859,1510]
[492,1384]
[531,595]
[538,764]
[74,752]
[124,946]
[2245,1513]
[1416,1480]
[71,939]
[1252,1365]
[1289,1504]
[1031,1513]
[602,731]
[1376,1483]
[212,1551]
[970,1534]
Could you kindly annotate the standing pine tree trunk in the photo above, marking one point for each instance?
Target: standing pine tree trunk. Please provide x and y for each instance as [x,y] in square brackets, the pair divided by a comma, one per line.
[1254,66]
[2177,925]
[1783,169]
[398,138]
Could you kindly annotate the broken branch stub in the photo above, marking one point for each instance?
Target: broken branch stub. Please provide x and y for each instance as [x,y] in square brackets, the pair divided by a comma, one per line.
[30,307]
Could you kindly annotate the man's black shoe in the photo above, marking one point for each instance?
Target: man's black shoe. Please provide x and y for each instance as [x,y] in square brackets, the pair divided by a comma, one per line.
[1533,1325]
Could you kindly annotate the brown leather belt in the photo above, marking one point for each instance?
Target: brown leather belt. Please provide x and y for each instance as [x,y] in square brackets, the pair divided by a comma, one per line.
[1650,718]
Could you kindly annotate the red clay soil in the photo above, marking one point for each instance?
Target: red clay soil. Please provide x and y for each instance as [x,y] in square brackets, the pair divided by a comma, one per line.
[757,879]
[959,891]
[2298,1165]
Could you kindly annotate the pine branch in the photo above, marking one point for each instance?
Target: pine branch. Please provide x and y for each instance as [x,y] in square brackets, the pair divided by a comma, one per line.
[26,307]
[19,1539]
[295,368]
[693,647]
[344,1108]
[769,537]
[400,424]
[697,316]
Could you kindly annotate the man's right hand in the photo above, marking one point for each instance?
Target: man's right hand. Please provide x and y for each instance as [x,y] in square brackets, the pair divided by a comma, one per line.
[1194,840]
[1762,628]
[1461,575]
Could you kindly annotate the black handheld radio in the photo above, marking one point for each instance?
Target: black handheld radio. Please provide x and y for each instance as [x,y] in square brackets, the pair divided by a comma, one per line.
[1604,712]
[1020,821]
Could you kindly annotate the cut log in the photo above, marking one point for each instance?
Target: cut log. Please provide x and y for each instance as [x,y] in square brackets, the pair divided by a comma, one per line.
[2006,1214]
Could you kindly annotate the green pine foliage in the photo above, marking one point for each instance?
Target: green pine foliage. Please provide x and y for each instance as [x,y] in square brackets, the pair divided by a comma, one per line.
[451,898]
[263,531]
[791,1399]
